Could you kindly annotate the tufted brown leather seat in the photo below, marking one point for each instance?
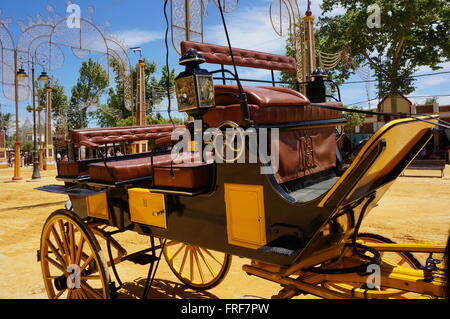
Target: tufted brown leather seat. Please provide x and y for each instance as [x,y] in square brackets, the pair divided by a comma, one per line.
[72,169]
[95,137]
[124,170]
[268,105]
[218,54]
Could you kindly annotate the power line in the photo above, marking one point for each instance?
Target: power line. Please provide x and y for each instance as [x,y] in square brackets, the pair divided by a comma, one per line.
[413,76]
[408,96]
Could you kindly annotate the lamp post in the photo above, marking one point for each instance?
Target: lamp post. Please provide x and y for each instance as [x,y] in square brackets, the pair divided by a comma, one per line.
[43,78]
[40,150]
[18,74]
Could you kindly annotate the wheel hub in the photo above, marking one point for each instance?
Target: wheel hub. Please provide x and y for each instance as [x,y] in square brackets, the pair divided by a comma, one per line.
[60,283]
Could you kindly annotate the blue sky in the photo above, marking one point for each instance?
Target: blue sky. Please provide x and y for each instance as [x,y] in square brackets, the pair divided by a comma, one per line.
[141,23]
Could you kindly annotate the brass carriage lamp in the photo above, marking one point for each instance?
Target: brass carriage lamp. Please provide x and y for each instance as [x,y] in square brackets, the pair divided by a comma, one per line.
[194,86]
[316,87]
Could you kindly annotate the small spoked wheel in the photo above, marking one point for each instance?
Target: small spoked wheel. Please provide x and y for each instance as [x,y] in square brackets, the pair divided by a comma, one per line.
[400,258]
[197,267]
[72,264]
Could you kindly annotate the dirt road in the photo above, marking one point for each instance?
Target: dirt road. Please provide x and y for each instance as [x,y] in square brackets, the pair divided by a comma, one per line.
[415,210]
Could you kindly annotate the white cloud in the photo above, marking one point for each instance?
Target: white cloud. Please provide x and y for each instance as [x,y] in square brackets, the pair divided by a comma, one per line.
[426,69]
[432,81]
[249,28]
[137,37]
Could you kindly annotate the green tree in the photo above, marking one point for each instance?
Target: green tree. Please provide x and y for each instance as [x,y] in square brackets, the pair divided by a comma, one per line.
[114,112]
[60,105]
[288,76]
[91,84]
[413,33]
[431,100]
[354,119]
[27,146]
[6,121]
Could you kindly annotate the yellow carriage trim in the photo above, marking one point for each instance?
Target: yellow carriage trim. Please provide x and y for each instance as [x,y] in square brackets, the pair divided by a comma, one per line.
[147,208]
[245,215]
[399,135]
[93,206]
[97,206]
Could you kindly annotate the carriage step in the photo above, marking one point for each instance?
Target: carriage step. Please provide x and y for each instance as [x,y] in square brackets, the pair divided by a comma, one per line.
[141,259]
[285,245]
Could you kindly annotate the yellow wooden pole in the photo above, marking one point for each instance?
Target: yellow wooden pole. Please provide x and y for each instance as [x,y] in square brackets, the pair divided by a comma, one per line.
[16,176]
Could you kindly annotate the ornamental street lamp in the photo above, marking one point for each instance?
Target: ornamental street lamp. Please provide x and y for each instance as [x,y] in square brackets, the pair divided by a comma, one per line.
[43,78]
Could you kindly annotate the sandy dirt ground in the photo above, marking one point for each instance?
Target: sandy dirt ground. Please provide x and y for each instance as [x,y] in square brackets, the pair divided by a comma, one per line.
[414,210]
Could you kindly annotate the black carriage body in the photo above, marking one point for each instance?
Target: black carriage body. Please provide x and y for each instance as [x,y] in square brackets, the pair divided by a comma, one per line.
[292,230]
[293,221]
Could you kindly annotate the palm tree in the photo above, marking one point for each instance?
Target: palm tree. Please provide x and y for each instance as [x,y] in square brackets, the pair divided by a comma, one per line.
[6,121]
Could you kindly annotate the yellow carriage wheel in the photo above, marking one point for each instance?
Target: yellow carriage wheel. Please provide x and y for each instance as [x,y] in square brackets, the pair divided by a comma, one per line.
[72,263]
[403,259]
[197,267]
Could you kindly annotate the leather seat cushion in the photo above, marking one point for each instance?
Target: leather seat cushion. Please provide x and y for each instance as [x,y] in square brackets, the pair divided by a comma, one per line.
[269,115]
[262,96]
[124,170]
[184,175]
[72,169]
[96,137]
[218,54]
[267,105]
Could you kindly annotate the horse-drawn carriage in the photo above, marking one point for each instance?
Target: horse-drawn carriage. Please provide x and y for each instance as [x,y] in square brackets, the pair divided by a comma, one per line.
[293,210]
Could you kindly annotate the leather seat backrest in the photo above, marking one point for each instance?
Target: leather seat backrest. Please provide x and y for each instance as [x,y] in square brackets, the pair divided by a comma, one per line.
[96,137]
[217,54]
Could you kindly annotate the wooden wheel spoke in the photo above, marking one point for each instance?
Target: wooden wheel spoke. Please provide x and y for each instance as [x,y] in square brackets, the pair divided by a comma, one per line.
[172,243]
[56,264]
[83,294]
[79,250]
[191,263]
[199,267]
[90,291]
[59,243]
[211,271]
[212,256]
[177,252]
[86,262]
[86,278]
[205,279]
[75,294]
[184,259]
[71,243]
[59,294]
[56,252]
[64,239]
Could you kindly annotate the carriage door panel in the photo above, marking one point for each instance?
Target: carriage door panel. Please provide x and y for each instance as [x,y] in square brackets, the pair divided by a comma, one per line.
[147,208]
[245,215]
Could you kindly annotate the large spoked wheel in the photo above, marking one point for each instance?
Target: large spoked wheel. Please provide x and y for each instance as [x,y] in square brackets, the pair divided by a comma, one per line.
[197,267]
[72,264]
[403,259]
